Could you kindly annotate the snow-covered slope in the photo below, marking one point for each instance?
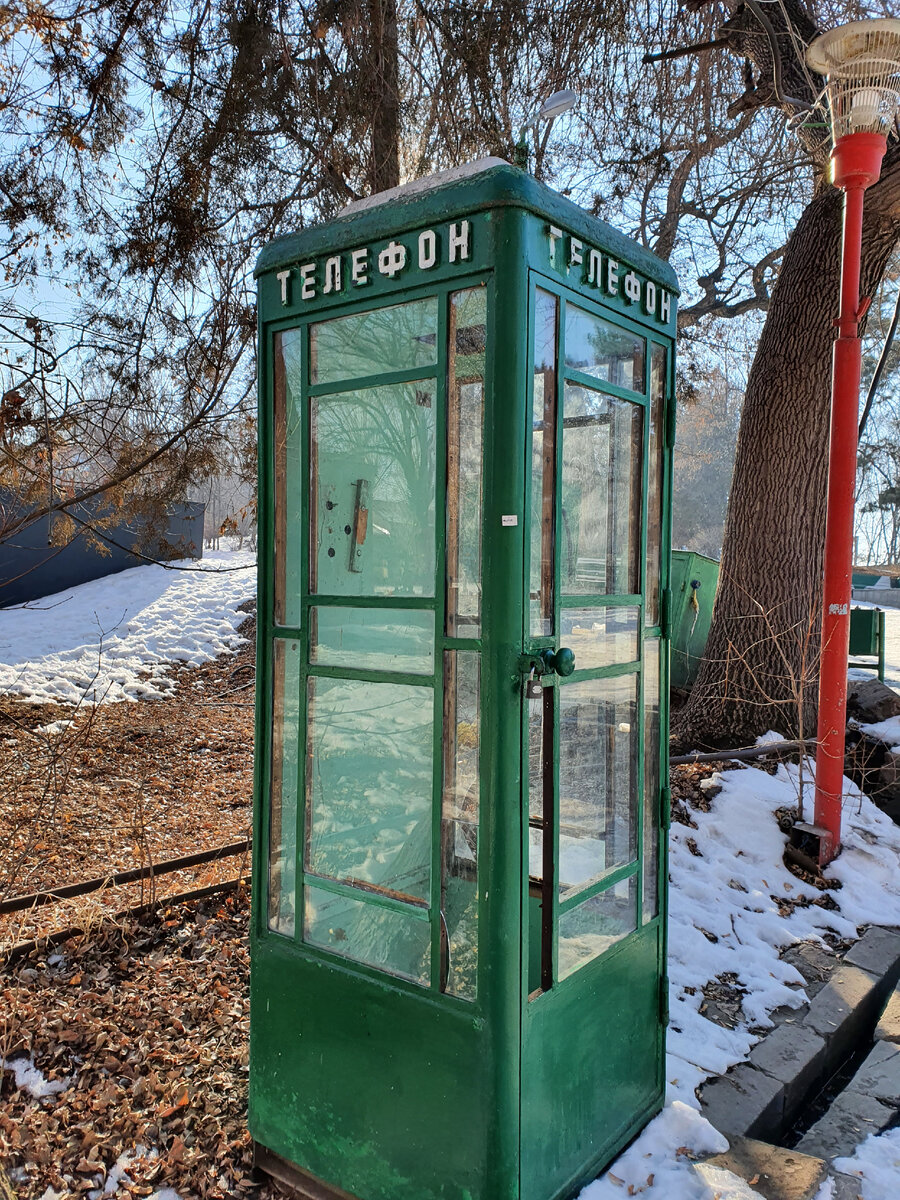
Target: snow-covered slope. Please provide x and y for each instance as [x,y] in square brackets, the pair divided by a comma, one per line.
[117,638]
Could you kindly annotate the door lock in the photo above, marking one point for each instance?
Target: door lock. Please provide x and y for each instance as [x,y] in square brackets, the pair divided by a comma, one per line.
[533,687]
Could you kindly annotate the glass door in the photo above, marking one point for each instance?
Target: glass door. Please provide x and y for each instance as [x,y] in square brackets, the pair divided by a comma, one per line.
[373,837]
[585,601]
[591,726]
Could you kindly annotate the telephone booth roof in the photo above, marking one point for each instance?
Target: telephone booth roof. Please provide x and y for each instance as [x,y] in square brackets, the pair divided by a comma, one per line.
[479,187]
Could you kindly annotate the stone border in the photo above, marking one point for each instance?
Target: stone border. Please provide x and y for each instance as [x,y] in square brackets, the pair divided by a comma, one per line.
[762,1097]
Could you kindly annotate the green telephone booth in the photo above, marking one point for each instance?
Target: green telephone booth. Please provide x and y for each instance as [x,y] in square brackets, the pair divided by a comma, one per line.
[458,936]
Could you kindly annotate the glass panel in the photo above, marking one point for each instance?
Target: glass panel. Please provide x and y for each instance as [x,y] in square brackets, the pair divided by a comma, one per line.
[465,418]
[655,480]
[538,712]
[459,822]
[600,531]
[650,903]
[597,348]
[288,482]
[285,781]
[590,929]
[543,464]
[366,932]
[369,784]
[601,637]
[374,639]
[372,343]
[597,778]
[372,479]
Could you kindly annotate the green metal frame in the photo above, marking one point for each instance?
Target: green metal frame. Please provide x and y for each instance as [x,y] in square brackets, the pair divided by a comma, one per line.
[490,1078]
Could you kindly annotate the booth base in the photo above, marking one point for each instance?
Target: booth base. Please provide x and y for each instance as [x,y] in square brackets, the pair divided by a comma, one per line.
[303,1185]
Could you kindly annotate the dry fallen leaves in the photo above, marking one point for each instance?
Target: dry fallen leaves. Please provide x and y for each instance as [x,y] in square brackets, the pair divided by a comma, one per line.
[152,1039]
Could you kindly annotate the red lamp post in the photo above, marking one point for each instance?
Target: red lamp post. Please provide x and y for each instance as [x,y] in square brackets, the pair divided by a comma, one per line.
[862,63]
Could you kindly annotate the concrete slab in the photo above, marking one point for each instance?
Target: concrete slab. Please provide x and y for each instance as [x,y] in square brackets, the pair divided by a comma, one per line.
[879,1075]
[776,1173]
[849,1121]
[814,962]
[877,951]
[745,1101]
[794,1055]
[846,1187]
[842,1010]
[888,1027]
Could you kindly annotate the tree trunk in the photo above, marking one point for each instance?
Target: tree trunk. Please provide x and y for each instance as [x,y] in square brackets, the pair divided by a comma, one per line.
[760,669]
[385,154]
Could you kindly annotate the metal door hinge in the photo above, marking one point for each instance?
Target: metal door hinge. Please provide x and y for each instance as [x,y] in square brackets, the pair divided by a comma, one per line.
[665,808]
[665,616]
[664,1000]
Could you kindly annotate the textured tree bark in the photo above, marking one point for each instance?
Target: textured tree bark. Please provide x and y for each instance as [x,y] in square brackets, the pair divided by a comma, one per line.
[760,669]
[385,156]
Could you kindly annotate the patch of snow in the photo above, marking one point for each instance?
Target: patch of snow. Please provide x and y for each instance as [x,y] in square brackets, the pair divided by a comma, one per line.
[53,727]
[30,1079]
[885,731]
[116,638]
[165,1194]
[877,1165]
[771,736]
[654,1154]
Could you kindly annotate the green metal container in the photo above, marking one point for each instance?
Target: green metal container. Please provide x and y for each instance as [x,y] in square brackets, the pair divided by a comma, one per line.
[695,579]
[458,935]
[867,639]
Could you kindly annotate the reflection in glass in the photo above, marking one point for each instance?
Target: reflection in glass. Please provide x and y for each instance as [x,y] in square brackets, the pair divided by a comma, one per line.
[372,482]
[600,530]
[601,637]
[597,778]
[465,418]
[285,781]
[650,903]
[543,463]
[369,785]
[597,348]
[390,939]
[372,343]
[288,483]
[459,823]
[655,480]
[374,639]
[593,927]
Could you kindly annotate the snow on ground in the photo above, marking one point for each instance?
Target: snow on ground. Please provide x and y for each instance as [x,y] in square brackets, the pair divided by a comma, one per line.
[724,917]
[877,1163]
[31,1080]
[116,638]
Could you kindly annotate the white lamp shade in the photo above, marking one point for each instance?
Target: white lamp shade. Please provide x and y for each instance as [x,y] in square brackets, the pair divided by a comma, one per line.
[861,63]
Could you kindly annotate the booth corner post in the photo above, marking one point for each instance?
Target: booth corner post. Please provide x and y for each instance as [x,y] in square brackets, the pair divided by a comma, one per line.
[458,982]
[861,62]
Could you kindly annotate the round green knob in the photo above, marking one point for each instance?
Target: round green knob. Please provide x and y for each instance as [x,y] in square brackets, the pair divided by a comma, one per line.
[561,661]
[564,661]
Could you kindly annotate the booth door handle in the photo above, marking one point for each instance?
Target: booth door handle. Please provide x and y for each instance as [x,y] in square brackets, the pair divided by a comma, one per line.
[562,661]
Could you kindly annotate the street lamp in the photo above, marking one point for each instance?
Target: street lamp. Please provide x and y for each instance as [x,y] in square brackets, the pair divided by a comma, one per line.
[554,106]
[861,63]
